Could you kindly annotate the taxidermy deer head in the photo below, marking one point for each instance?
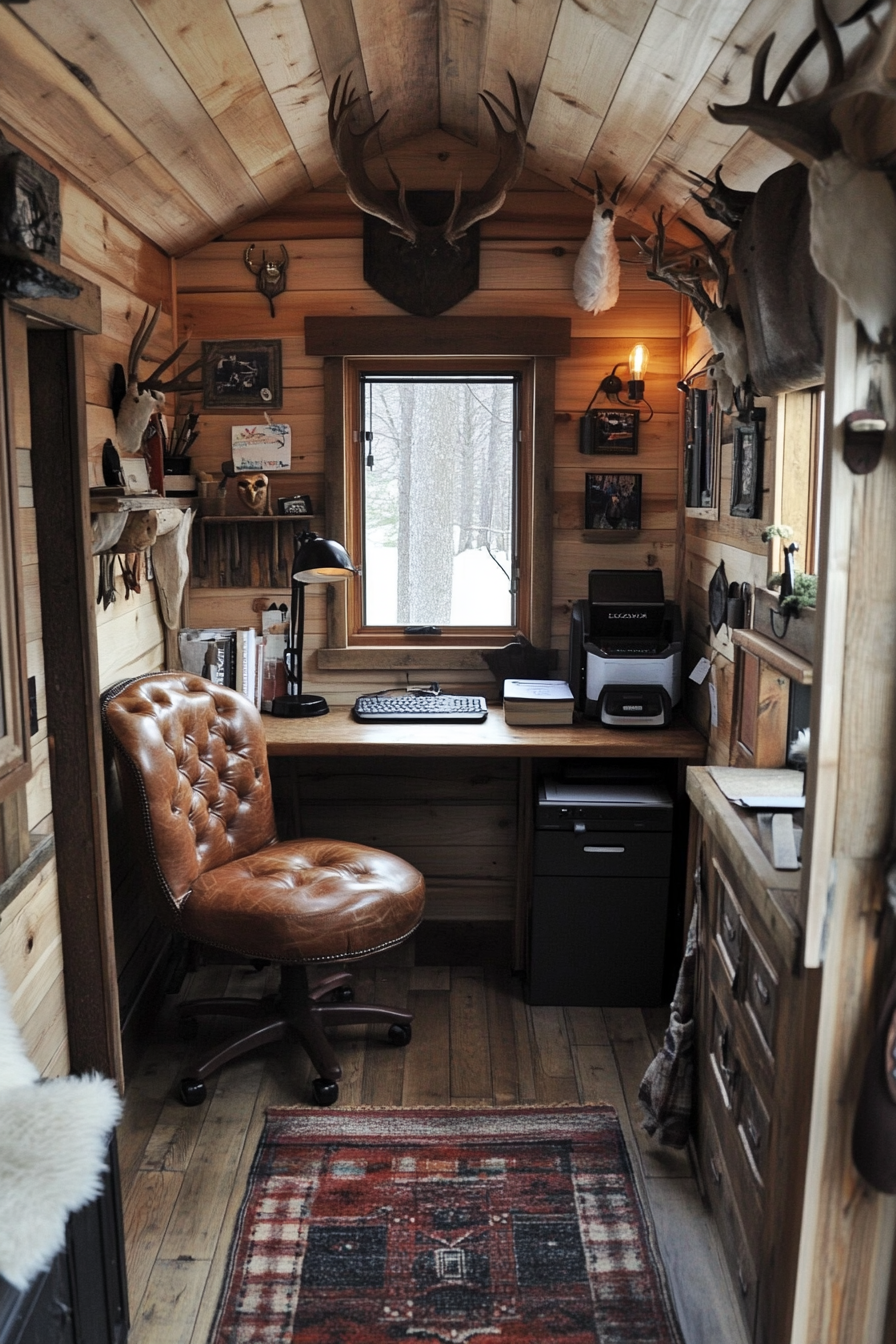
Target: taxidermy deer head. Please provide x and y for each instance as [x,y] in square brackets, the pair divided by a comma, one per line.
[686,274]
[595,280]
[144,397]
[424,259]
[270,276]
[853,210]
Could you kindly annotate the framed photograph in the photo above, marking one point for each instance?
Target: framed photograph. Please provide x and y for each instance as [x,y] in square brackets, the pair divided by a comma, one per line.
[241,374]
[615,430]
[746,469]
[296,506]
[613,502]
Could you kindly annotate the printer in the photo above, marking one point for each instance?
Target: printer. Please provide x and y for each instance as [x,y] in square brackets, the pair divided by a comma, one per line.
[625,650]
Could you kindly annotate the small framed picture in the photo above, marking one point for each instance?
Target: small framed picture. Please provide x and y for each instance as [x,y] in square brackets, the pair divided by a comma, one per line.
[746,468]
[612,430]
[241,374]
[613,502]
[297,505]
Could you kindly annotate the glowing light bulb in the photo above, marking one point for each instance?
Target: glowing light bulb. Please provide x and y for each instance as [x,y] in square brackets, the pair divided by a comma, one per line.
[638,360]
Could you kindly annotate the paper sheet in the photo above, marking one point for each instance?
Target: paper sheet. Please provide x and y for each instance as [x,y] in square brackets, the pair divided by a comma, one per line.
[737,783]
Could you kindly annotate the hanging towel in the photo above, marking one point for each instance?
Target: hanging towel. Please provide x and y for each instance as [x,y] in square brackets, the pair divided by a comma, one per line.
[666,1093]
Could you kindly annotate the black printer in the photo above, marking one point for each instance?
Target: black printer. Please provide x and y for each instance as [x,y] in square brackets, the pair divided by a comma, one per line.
[625,645]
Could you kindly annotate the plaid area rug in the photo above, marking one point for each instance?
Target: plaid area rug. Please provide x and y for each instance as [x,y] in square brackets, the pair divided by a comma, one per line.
[522,1226]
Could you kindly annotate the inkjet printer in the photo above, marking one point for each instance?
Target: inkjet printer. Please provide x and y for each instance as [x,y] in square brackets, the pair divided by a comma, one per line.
[625,650]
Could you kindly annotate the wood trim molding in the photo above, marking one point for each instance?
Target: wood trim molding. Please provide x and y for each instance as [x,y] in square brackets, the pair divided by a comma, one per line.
[529,336]
[83,313]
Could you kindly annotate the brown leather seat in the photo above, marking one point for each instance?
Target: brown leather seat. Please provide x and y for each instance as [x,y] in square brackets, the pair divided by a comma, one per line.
[195,784]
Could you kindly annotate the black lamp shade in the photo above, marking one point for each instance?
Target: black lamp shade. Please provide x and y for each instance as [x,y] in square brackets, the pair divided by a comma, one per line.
[322,561]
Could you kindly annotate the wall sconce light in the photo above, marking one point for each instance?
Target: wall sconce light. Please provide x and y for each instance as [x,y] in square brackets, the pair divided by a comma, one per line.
[610,387]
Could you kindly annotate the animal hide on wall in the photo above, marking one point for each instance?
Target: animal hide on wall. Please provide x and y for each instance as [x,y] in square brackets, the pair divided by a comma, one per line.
[782,297]
[595,280]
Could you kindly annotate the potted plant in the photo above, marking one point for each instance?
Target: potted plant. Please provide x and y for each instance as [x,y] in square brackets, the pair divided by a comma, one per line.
[785,609]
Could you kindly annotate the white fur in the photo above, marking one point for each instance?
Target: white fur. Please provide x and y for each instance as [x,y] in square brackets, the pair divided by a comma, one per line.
[728,340]
[53,1141]
[595,280]
[133,417]
[852,238]
[716,370]
[171,563]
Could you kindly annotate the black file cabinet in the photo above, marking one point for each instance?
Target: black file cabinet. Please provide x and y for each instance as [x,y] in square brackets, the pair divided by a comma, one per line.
[600,894]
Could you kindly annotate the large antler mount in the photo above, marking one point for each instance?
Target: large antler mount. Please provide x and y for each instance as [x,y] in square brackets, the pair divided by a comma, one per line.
[469,207]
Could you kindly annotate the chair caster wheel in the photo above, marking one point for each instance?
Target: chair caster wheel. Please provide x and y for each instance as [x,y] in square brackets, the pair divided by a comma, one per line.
[344,994]
[324,1091]
[399,1034]
[191,1091]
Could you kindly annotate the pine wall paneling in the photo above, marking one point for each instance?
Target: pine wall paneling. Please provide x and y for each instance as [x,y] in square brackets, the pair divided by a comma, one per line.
[464,843]
[131,273]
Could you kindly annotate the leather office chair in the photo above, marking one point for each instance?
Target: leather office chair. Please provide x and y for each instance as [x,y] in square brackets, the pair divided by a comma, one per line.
[197,791]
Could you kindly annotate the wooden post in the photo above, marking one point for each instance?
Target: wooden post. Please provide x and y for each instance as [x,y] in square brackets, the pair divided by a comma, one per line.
[848,1228]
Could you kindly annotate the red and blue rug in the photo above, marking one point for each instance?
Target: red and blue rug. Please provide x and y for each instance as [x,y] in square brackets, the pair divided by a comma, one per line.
[519,1226]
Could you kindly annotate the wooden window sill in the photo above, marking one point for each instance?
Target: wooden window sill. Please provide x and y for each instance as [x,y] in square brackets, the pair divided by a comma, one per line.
[445,658]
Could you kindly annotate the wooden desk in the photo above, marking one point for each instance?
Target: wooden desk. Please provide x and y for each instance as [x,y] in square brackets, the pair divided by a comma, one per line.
[337,734]
[408,817]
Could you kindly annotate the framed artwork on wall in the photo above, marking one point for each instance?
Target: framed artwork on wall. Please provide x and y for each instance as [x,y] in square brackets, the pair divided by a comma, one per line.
[609,430]
[242,374]
[613,501]
[746,467]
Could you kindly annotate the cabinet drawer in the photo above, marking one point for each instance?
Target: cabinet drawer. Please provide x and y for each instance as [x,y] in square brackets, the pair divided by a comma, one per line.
[724,1203]
[760,996]
[754,1129]
[729,923]
[602,853]
[725,1063]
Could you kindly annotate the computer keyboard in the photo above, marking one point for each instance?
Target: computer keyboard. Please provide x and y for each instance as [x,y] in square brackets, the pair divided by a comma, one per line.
[420,709]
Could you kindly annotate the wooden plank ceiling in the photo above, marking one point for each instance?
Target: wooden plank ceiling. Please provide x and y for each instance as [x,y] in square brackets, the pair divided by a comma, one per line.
[191,117]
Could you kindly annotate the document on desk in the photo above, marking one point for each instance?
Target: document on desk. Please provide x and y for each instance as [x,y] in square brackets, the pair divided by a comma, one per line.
[767,789]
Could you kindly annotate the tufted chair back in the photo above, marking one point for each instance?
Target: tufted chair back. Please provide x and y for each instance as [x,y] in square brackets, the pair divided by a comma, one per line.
[193,758]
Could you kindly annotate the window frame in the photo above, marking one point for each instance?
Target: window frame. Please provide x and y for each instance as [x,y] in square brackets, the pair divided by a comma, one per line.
[541,339]
[15,742]
[359,634]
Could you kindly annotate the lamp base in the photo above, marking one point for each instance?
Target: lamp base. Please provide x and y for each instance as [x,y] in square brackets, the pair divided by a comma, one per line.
[299,706]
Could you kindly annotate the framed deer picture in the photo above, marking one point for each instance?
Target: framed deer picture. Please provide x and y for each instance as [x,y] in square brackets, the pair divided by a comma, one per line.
[241,375]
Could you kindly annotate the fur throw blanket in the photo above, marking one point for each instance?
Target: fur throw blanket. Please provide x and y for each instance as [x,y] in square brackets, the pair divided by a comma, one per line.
[53,1141]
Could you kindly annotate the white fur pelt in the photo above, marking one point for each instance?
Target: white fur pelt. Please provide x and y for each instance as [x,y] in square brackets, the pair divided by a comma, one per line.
[852,238]
[595,280]
[53,1141]
[171,562]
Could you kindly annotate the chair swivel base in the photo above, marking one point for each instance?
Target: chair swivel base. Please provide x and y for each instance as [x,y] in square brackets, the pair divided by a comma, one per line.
[298,1013]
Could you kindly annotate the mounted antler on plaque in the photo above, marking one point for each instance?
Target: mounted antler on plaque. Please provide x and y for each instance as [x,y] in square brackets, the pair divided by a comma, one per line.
[853,209]
[427,259]
[685,274]
[143,397]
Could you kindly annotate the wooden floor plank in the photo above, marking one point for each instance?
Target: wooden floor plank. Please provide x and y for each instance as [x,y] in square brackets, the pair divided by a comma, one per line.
[501,1036]
[384,1064]
[471,1072]
[170,1303]
[148,1205]
[552,1042]
[427,1072]
[586,1026]
[525,1051]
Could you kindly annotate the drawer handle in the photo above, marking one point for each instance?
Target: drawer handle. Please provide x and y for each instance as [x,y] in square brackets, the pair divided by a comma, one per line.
[728,1071]
[730,929]
[716,1173]
[753,1135]
[604,849]
[762,988]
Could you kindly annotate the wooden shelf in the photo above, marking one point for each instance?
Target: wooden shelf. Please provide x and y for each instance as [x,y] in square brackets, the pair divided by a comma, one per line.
[776,655]
[257,518]
[134,503]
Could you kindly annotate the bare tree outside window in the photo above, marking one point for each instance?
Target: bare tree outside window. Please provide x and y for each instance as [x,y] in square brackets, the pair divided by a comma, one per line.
[439,500]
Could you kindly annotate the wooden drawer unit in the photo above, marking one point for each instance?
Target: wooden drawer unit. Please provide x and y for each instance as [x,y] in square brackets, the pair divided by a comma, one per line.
[756,1016]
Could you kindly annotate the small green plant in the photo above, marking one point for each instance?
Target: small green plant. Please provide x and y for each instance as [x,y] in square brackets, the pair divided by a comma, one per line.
[805,591]
[777,530]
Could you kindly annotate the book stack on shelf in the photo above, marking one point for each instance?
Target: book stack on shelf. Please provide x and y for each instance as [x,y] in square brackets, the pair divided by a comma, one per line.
[537,703]
[226,656]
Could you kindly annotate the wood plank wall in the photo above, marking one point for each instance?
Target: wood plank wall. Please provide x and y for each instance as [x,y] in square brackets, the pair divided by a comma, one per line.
[131,273]
[528,253]
[739,543]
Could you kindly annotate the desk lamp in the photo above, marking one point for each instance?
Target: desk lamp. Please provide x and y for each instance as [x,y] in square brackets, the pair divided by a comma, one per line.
[315,561]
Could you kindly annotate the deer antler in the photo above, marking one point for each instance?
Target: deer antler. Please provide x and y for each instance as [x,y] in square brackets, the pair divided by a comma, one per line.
[179,383]
[807,127]
[680,273]
[724,203]
[490,196]
[348,147]
[467,210]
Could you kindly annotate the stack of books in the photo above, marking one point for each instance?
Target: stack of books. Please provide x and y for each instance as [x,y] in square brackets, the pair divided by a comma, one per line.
[227,656]
[536,703]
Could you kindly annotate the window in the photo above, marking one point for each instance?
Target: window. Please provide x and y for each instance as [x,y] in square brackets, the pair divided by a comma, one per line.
[439,458]
[14,742]
[798,479]
[494,356]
